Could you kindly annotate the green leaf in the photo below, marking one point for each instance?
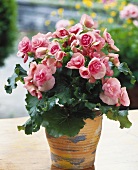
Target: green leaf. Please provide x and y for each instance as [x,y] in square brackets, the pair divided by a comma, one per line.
[18,75]
[120,116]
[79,94]
[12,83]
[51,102]
[111,115]
[123,67]
[67,58]
[123,119]
[90,106]
[65,96]
[34,107]
[59,122]
[27,127]
[91,86]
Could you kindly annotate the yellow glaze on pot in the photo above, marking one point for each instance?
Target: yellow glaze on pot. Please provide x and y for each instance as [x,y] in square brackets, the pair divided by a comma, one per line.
[76,152]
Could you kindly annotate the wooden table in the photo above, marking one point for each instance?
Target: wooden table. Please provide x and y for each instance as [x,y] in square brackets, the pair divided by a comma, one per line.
[117,149]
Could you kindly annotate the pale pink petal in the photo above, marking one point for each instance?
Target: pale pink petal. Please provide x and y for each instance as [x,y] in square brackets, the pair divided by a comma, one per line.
[108,100]
[84,72]
[47,85]
[124,99]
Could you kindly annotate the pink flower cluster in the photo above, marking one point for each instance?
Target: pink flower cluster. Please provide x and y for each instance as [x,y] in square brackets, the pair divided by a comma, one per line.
[86,45]
[130,12]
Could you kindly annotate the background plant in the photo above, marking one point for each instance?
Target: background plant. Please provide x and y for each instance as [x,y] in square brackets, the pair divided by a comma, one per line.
[8,16]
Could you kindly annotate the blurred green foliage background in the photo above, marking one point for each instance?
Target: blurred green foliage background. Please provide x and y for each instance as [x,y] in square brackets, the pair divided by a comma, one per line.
[8,27]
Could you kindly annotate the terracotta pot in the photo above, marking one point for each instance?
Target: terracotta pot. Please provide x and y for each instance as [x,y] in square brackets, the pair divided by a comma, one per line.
[76,152]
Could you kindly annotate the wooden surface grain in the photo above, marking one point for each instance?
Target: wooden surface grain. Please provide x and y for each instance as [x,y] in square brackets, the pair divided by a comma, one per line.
[117,148]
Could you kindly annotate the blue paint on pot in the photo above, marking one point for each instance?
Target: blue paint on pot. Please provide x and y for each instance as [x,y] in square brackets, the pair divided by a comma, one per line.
[73,161]
[77,139]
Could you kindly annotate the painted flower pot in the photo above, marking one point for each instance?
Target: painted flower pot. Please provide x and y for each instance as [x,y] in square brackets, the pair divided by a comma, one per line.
[76,152]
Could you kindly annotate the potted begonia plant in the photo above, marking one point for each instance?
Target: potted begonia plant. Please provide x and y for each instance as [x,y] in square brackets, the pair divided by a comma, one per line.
[70,80]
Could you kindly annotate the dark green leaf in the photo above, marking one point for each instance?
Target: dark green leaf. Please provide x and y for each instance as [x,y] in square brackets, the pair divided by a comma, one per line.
[123,67]
[34,109]
[65,96]
[79,94]
[90,106]
[58,123]
[27,127]
[18,75]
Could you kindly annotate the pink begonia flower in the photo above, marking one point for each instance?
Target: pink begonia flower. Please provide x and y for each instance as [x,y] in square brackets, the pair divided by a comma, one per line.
[39,79]
[99,42]
[25,45]
[87,21]
[84,72]
[111,91]
[129,11]
[51,63]
[109,72]
[42,74]
[22,55]
[40,40]
[32,89]
[75,49]
[95,26]
[124,99]
[108,100]
[74,46]
[48,35]
[112,87]
[60,55]
[94,54]
[40,52]
[97,68]
[91,52]
[62,23]
[109,40]
[76,29]
[114,59]
[87,39]
[72,38]
[73,42]
[135,22]
[76,61]
[53,48]
[48,85]
[61,33]
[31,70]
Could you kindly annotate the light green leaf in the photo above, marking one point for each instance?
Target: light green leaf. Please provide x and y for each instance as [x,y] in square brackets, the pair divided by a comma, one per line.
[123,119]
[120,116]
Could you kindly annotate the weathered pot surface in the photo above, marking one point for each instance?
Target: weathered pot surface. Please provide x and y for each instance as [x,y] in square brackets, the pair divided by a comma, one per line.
[76,152]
